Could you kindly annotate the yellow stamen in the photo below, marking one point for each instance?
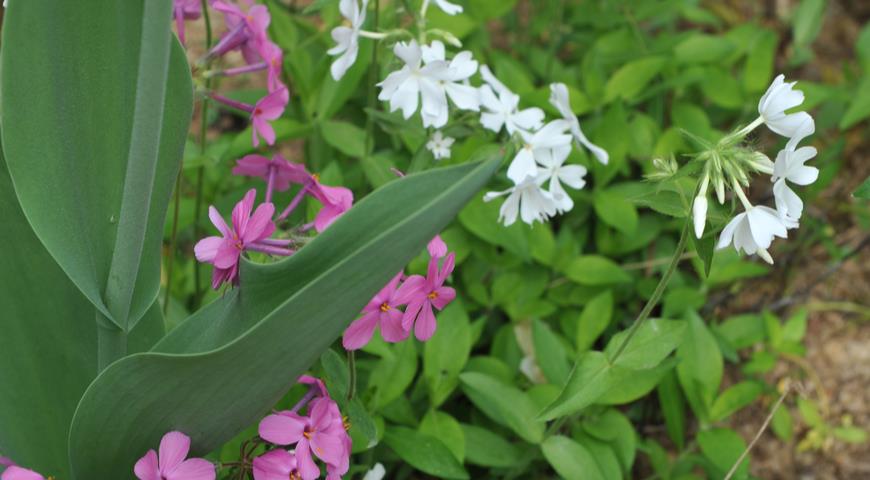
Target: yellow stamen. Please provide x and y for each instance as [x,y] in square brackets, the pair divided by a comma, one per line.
[385,307]
[433,295]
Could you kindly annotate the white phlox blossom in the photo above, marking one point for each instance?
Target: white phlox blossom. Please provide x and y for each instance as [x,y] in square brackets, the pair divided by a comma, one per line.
[559,98]
[753,231]
[535,145]
[429,79]
[778,98]
[376,473]
[525,199]
[347,37]
[789,166]
[553,168]
[501,107]
[440,145]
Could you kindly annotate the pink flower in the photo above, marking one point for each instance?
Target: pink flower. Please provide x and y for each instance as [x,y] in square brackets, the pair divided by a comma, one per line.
[246,30]
[335,200]
[171,463]
[18,473]
[249,232]
[381,310]
[436,247]
[278,172]
[267,109]
[273,56]
[322,434]
[185,10]
[421,294]
[276,465]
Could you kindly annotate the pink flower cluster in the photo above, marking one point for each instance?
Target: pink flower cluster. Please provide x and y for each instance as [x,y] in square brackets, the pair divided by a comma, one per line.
[252,232]
[322,433]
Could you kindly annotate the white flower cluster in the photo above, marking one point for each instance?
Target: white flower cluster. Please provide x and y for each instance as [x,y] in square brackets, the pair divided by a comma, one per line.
[753,230]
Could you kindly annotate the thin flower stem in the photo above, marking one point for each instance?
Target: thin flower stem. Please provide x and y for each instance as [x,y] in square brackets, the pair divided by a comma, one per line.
[200,171]
[231,72]
[742,196]
[759,433]
[657,294]
[312,391]
[172,242]
[745,130]
[271,250]
[351,366]
[270,184]
[373,79]
[245,107]
[373,35]
[293,203]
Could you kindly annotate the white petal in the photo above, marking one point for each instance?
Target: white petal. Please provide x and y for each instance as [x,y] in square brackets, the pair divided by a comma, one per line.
[465,97]
[522,166]
[699,215]
[449,8]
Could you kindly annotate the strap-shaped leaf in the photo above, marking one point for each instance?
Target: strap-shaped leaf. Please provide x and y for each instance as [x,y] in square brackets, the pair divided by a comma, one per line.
[252,345]
[97,100]
[48,345]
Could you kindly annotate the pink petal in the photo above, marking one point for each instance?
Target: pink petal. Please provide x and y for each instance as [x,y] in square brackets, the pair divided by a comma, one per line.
[173,449]
[360,331]
[425,326]
[443,296]
[325,217]
[307,468]
[18,473]
[274,465]
[309,380]
[218,221]
[242,211]
[446,269]
[391,326]
[413,287]
[411,313]
[260,225]
[436,247]
[432,271]
[253,166]
[207,248]
[329,448]
[284,428]
[227,255]
[193,469]
[147,467]
[264,129]
[321,413]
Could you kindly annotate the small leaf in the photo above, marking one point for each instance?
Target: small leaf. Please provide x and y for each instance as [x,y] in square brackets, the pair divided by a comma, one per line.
[723,447]
[654,340]
[337,374]
[859,105]
[700,368]
[487,449]
[782,424]
[851,434]
[504,404]
[550,353]
[446,353]
[703,48]
[615,210]
[345,137]
[863,190]
[595,270]
[361,421]
[571,460]
[591,377]
[734,398]
[445,428]
[631,78]
[594,320]
[810,413]
[425,453]
[759,62]
[394,373]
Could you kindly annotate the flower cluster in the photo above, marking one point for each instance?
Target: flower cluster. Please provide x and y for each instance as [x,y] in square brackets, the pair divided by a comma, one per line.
[321,434]
[728,166]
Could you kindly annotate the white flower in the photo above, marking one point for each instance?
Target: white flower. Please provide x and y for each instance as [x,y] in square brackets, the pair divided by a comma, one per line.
[554,169]
[501,105]
[699,214]
[551,135]
[428,76]
[781,96]
[753,231]
[440,145]
[559,99]
[526,199]
[376,473]
[447,7]
[789,165]
[347,37]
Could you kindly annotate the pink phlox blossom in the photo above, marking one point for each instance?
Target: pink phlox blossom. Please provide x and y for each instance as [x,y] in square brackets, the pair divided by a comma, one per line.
[282,171]
[246,30]
[170,463]
[185,10]
[383,311]
[267,109]
[421,294]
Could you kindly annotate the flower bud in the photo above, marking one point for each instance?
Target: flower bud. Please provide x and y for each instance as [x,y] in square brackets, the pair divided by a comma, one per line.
[699,214]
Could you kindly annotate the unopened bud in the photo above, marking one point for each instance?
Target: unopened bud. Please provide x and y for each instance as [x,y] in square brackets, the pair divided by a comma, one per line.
[699,215]
[765,255]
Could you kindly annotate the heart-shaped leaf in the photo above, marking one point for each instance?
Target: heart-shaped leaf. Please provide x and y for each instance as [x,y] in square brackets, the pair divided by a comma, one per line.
[227,365]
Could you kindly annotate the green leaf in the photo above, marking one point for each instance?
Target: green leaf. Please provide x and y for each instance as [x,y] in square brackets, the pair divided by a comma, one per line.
[654,340]
[550,353]
[782,424]
[594,320]
[488,9]
[481,219]
[630,385]
[425,453]
[487,449]
[337,374]
[335,94]
[859,105]
[446,353]
[705,247]
[631,78]
[863,190]
[734,398]
[362,422]
[851,434]
[591,377]
[394,373]
[810,413]
[504,404]
[571,460]
[700,368]
[759,62]
[807,21]
[270,330]
[345,137]
[445,428]
[613,427]
[595,270]
[703,48]
[96,106]
[615,210]
[673,409]
[721,88]
[723,447]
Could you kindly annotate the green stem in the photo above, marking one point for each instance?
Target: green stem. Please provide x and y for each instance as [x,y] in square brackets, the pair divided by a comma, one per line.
[351,366]
[172,243]
[657,294]
[111,342]
[373,79]
[200,171]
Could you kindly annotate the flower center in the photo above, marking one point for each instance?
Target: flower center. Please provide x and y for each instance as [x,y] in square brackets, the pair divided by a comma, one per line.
[258,111]
[385,307]
[433,295]
[316,177]
[295,476]
[345,422]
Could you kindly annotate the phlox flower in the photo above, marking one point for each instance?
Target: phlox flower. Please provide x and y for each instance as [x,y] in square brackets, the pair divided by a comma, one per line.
[501,107]
[347,37]
[335,200]
[559,98]
[550,136]
[382,310]
[421,294]
[436,247]
[273,57]
[440,145]
[267,109]
[322,433]
[448,7]
[789,166]
[15,472]
[753,231]
[452,83]
[276,465]
[246,30]
[170,463]
[278,172]
[553,168]
[778,98]
[185,10]
[527,200]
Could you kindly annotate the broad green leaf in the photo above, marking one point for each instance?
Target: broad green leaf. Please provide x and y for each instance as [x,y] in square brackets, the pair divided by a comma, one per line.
[614,427]
[631,78]
[266,332]
[603,454]
[591,377]
[703,48]
[721,88]
[504,404]
[394,373]
[782,424]
[487,449]
[734,398]
[481,219]
[345,137]
[96,106]
[445,428]
[700,368]
[759,62]
[810,413]
[673,409]
[654,340]
[571,460]
[446,353]
[863,190]
[615,210]
[723,447]
[630,385]
[850,434]
[595,270]
[362,422]
[807,21]
[425,453]
[49,358]
[334,94]
[594,320]
[859,105]
[550,353]
[337,374]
